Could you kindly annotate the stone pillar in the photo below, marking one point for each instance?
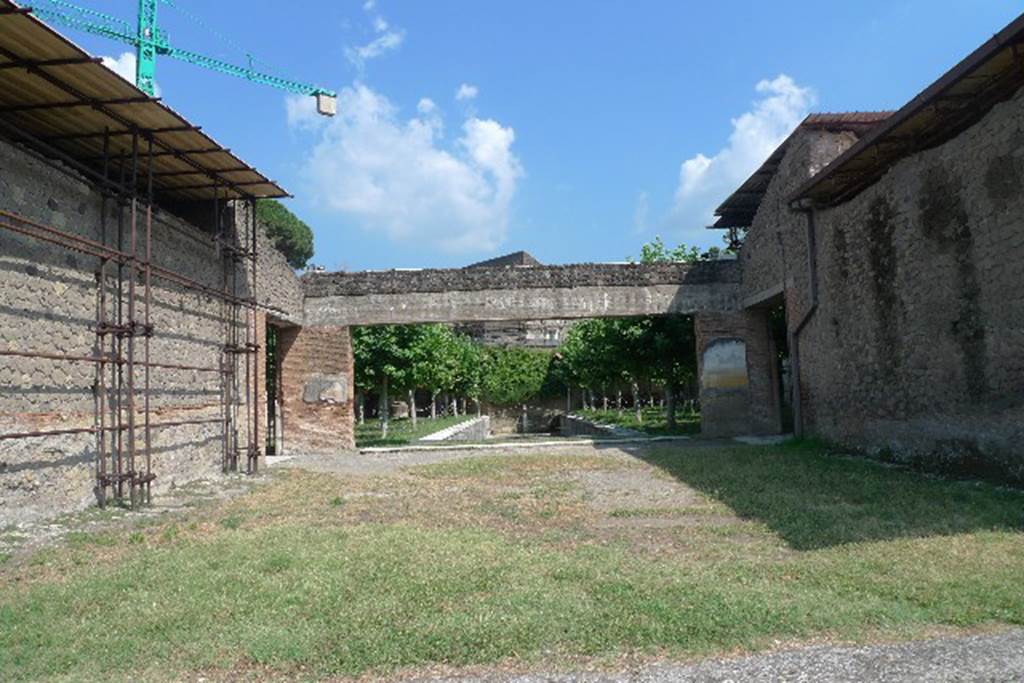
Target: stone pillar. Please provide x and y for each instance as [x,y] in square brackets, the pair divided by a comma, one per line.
[736,371]
[317,389]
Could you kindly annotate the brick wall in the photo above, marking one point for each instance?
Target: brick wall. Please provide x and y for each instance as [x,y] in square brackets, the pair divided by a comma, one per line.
[917,346]
[317,389]
[736,370]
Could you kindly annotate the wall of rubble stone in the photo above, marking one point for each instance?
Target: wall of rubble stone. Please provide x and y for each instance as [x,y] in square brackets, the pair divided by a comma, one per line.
[439,280]
[50,297]
[916,350]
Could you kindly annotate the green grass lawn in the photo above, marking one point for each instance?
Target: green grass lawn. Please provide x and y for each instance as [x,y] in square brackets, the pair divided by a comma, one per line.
[533,560]
[401,431]
[653,421]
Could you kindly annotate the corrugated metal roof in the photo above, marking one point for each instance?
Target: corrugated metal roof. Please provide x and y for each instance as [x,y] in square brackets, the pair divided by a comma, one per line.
[739,209]
[956,101]
[57,97]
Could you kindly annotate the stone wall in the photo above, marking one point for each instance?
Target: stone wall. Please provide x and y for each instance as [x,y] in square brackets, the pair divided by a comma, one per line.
[735,367]
[49,302]
[916,349]
[478,279]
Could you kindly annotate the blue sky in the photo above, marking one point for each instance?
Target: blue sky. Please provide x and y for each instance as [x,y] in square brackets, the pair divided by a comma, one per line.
[573,130]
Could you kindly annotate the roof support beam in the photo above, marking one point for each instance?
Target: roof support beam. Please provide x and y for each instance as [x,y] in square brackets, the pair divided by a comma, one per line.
[181,154]
[119,133]
[126,123]
[165,174]
[95,104]
[208,186]
[70,61]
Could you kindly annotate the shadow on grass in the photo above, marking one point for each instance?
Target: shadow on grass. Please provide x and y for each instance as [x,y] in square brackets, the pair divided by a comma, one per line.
[815,499]
[653,423]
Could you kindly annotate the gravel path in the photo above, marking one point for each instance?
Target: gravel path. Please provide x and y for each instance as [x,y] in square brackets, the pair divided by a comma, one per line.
[990,658]
[391,461]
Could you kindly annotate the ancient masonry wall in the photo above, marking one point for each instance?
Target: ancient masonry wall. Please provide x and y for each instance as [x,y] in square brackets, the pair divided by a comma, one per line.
[49,298]
[317,389]
[736,372]
[916,350]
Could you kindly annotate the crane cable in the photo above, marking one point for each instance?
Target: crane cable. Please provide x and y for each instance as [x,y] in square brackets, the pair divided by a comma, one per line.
[225,39]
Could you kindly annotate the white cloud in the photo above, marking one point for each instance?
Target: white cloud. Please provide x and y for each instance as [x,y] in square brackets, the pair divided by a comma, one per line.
[302,113]
[124,66]
[704,182]
[397,176]
[387,39]
[375,48]
[467,92]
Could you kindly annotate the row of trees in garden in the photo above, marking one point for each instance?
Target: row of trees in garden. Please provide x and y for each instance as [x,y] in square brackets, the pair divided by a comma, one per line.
[604,357]
[398,360]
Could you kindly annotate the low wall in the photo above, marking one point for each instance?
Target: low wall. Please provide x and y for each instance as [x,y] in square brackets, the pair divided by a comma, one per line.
[477,429]
[574,425]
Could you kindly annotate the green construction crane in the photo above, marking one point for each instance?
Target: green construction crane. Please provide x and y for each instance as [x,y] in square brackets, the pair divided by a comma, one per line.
[150,41]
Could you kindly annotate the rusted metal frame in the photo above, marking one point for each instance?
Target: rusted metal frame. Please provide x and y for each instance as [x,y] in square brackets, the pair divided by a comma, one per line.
[133,481]
[67,61]
[72,162]
[250,326]
[117,133]
[89,247]
[148,326]
[209,186]
[255,445]
[117,347]
[101,321]
[89,430]
[234,169]
[126,123]
[180,154]
[234,347]
[99,105]
[75,358]
[225,359]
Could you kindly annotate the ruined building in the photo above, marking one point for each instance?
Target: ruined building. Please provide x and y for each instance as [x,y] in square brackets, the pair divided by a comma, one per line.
[895,243]
[137,290]
[535,334]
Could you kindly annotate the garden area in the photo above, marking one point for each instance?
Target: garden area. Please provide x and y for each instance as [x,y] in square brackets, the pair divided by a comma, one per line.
[403,432]
[581,558]
[639,373]
[652,421]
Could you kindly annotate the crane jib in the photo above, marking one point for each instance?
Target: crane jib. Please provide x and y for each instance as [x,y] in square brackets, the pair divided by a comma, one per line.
[150,42]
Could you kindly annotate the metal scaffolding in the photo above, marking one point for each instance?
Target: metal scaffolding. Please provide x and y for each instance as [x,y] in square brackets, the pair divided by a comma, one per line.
[61,106]
[122,427]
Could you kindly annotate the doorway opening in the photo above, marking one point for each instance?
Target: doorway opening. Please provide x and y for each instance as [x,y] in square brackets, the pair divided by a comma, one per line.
[781,371]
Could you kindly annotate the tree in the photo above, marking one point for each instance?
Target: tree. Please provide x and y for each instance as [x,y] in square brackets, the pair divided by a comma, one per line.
[513,376]
[289,234]
[435,361]
[382,359]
